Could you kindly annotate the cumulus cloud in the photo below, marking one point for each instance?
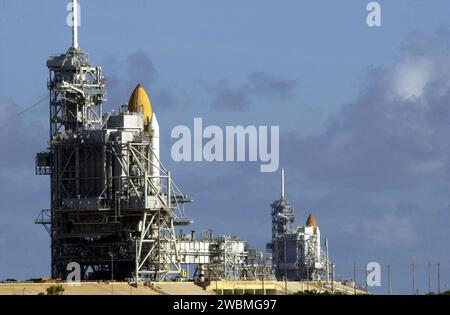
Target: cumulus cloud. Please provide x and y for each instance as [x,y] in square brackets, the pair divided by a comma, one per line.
[231,98]
[386,231]
[395,134]
[256,85]
[410,77]
[138,69]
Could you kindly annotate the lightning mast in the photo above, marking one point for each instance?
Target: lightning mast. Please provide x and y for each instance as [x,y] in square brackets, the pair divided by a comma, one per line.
[74,24]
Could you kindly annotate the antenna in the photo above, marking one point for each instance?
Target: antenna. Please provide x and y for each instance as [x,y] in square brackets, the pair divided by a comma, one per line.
[282,183]
[74,24]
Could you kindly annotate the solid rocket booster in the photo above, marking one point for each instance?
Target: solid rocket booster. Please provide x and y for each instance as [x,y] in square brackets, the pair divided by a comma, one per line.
[155,161]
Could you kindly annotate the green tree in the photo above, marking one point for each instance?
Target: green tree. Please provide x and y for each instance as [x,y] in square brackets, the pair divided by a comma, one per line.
[55,290]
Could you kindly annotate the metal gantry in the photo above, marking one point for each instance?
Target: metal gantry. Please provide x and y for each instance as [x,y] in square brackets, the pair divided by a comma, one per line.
[296,251]
[114,206]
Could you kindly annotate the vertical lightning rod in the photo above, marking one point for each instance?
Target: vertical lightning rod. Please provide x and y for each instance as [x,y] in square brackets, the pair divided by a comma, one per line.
[282,183]
[389,280]
[74,24]
[439,277]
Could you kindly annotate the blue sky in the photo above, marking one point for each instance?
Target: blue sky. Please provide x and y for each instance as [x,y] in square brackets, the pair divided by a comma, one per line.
[374,174]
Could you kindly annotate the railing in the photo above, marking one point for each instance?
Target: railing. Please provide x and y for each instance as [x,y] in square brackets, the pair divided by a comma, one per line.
[44,217]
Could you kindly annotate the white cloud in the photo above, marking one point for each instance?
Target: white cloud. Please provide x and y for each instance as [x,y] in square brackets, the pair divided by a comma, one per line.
[390,231]
[395,132]
[410,77]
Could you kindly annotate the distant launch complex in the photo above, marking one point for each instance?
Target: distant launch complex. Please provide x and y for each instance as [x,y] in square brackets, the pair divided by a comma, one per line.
[115,209]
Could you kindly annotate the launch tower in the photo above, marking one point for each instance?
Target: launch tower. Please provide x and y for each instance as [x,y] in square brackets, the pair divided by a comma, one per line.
[114,206]
[296,251]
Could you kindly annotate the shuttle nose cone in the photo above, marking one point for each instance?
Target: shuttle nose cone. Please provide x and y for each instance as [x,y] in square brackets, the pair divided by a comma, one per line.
[140,102]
